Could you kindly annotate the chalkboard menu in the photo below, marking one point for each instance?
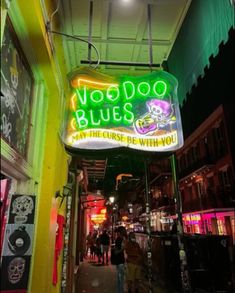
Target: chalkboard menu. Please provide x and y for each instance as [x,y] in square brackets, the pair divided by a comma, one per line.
[16,92]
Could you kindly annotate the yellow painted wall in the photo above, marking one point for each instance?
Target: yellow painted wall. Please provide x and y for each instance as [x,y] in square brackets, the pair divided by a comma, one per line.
[52,180]
[54,158]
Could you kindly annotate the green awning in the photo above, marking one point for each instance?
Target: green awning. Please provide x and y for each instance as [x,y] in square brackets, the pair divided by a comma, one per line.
[205,27]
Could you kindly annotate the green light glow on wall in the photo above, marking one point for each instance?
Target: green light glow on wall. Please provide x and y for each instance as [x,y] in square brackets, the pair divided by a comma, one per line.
[145,106]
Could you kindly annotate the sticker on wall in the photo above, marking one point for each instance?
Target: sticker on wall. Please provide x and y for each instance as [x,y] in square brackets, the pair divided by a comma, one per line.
[22,209]
[136,112]
[18,244]
[15,272]
[18,239]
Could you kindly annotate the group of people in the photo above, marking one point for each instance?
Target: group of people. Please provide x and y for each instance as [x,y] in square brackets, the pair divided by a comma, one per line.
[98,245]
[126,255]
[128,258]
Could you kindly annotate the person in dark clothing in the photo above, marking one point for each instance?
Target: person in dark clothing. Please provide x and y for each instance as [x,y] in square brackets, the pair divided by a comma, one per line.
[105,242]
[92,249]
[134,258]
[98,249]
[88,243]
[174,228]
[120,258]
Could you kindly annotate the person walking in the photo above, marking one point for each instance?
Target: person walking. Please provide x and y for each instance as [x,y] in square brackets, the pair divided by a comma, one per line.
[88,243]
[98,248]
[120,258]
[134,258]
[105,242]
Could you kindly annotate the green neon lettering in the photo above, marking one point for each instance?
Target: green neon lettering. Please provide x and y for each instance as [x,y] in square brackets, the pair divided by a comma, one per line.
[93,122]
[131,92]
[159,88]
[112,93]
[81,120]
[116,114]
[82,98]
[97,96]
[143,88]
[128,116]
[102,115]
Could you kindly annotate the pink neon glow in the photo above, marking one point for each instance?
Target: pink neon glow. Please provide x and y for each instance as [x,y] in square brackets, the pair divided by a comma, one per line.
[196,218]
[215,215]
[193,222]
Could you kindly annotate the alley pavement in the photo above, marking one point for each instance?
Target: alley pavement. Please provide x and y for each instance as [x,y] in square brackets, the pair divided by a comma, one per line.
[97,278]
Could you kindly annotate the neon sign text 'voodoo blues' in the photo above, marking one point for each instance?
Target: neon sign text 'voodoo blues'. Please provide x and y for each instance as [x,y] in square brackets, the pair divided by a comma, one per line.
[137,112]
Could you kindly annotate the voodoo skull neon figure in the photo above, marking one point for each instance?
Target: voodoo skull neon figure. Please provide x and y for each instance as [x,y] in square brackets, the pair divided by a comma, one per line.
[160,115]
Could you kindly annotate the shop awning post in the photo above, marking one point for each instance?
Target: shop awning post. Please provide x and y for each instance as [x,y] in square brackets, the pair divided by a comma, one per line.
[148,226]
[185,279]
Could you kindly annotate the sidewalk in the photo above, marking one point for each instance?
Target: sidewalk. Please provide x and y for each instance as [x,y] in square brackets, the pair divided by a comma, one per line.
[156,288]
[94,278]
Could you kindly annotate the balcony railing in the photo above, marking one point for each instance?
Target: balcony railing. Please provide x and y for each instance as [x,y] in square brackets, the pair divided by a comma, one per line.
[222,198]
[161,202]
[208,160]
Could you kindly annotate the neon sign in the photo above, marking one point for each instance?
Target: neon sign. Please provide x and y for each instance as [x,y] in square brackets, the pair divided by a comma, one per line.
[99,218]
[192,218]
[135,112]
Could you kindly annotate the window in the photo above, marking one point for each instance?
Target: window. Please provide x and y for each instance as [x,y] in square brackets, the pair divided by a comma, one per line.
[179,164]
[185,160]
[224,178]
[182,195]
[16,92]
[205,147]
[199,188]
[210,184]
[219,140]
[189,194]
[190,156]
[233,228]
[210,181]
[196,154]
[208,226]
[182,162]
[221,226]
[196,229]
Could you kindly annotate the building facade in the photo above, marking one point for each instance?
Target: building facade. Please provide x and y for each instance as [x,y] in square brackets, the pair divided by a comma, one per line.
[206,178]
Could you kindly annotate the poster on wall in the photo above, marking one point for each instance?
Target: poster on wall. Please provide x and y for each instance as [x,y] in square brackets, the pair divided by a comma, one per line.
[22,209]
[106,112]
[18,240]
[15,272]
[18,244]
